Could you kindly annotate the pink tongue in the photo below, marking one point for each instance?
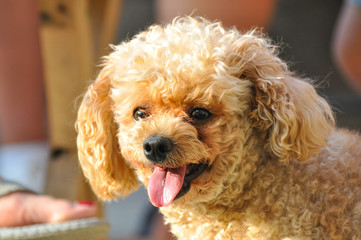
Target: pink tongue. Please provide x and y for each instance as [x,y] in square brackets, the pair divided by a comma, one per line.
[164,185]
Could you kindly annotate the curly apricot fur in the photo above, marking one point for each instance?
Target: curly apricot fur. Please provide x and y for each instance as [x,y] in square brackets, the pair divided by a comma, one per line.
[279,168]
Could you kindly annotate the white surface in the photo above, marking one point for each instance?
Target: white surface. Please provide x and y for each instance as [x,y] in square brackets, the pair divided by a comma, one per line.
[25,163]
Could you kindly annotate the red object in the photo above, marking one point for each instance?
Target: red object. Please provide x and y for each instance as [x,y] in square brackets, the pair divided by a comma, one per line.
[89,203]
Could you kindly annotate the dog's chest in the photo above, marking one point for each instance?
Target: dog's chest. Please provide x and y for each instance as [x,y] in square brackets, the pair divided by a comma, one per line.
[195,226]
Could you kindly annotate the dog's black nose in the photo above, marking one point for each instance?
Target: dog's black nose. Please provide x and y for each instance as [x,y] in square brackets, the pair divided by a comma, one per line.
[157,148]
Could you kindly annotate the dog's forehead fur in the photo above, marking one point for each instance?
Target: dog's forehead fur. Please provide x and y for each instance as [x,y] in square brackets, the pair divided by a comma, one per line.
[177,66]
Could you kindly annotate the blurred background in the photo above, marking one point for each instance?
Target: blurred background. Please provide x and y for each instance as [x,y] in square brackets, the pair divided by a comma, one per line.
[50,49]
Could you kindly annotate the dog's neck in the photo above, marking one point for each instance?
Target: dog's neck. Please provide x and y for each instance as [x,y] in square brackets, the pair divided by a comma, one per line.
[219,214]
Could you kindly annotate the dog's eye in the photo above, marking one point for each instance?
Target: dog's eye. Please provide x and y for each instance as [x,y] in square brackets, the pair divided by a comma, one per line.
[140,113]
[200,114]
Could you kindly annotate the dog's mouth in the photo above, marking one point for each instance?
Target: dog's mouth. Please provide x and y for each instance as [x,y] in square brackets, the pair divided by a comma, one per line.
[168,184]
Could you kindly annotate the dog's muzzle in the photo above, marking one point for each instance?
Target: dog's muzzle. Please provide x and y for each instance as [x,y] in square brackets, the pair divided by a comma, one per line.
[157,148]
[168,183]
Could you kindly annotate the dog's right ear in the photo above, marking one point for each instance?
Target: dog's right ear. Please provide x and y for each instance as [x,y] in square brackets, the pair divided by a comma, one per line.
[294,120]
[98,148]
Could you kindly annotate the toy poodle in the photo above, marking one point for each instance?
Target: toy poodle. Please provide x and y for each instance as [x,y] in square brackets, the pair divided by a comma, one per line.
[228,142]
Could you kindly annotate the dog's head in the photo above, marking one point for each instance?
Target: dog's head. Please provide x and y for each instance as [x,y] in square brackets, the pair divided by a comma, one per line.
[191,108]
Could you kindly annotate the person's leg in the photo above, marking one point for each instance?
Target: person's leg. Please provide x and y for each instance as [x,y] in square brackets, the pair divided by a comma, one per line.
[22,114]
[22,107]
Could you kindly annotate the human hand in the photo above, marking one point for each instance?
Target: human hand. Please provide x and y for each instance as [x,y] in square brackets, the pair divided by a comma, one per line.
[23,208]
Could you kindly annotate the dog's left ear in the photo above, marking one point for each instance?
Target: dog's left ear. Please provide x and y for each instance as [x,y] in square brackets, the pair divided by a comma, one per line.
[98,148]
[295,120]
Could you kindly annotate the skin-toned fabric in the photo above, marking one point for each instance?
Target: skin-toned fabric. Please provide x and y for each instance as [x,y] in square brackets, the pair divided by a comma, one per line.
[346,45]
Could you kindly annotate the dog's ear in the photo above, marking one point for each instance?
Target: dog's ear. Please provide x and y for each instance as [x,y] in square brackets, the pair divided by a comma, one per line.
[98,149]
[295,120]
